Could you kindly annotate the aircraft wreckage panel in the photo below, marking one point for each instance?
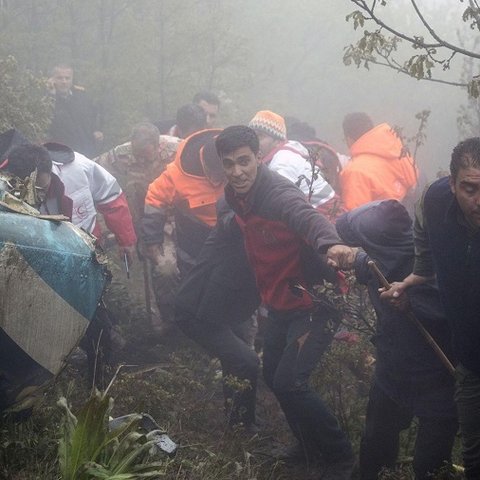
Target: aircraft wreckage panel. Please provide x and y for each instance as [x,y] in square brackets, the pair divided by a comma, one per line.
[50,285]
[33,315]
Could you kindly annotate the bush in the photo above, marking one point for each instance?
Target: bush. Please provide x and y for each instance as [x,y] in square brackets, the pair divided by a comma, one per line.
[25,103]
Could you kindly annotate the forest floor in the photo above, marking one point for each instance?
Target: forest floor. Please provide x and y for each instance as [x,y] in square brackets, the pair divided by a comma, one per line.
[180,386]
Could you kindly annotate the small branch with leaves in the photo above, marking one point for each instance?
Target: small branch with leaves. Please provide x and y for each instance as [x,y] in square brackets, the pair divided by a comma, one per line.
[378,47]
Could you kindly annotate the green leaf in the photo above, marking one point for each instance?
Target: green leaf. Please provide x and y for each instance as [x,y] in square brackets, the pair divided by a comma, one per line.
[115,435]
[89,451]
[358,19]
[25,105]
[82,439]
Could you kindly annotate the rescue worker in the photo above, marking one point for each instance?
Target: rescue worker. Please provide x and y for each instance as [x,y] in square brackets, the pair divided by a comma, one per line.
[92,188]
[135,165]
[379,168]
[291,159]
[190,187]
[138,162]
[34,161]
[323,154]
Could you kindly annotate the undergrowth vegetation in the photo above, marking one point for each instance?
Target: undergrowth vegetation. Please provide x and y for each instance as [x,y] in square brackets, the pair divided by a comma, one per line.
[180,387]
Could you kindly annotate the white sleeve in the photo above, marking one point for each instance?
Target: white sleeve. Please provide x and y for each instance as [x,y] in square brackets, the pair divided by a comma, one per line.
[103,185]
[288,164]
[299,171]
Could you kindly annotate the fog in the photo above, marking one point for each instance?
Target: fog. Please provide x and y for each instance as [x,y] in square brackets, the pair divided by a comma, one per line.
[334,90]
[143,59]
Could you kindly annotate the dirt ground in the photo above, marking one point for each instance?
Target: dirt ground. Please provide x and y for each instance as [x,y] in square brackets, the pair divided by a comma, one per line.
[173,380]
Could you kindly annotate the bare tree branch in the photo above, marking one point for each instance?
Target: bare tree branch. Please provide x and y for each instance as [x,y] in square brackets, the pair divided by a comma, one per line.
[413,40]
[443,42]
[417,41]
[400,69]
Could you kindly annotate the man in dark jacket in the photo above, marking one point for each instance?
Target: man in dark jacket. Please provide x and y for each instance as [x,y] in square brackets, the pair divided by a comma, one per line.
[447,245]
[74,120]
[213,306]
[409,380]
[279,225]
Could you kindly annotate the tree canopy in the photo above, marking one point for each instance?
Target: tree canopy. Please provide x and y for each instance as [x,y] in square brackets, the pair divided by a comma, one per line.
[142,60]
[419,53]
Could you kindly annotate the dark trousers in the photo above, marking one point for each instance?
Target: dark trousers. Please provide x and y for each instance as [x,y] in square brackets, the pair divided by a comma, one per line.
[237,358]
[467,398]
[380,442]
[293,344]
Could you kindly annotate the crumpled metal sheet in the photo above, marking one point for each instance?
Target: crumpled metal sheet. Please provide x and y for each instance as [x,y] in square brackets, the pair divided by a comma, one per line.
[50,284]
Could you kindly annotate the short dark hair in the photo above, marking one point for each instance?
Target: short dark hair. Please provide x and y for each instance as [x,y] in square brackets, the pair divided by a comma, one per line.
[61,66]
[144,134]
[356,124]
[191,118]
[301,131]
[465,155]
[206,96]
[235,137]
[24,159]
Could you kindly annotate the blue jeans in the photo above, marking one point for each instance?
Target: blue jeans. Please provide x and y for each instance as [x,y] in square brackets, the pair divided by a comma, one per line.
[293,344]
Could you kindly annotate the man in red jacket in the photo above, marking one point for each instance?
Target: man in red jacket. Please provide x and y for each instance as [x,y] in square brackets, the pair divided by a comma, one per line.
[281,229]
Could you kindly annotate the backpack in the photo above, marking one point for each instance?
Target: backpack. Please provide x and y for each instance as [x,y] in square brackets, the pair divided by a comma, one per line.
[326,159]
